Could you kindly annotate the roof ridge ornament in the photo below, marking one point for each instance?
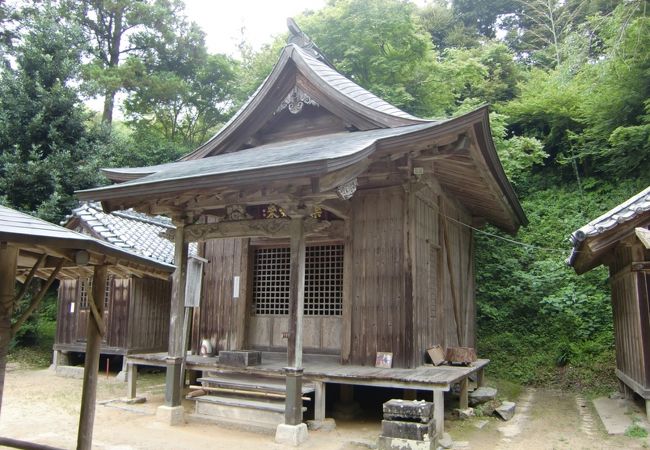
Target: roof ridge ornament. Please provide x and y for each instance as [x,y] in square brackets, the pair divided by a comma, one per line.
[299,38]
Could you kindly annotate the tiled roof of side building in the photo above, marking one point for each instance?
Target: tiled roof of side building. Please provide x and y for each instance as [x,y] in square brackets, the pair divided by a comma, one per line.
[620,214]
[130,230]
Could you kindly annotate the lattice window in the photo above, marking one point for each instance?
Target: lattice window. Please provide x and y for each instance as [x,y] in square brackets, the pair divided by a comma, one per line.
[85,285]
[271,281]
[323,281]
[107,292]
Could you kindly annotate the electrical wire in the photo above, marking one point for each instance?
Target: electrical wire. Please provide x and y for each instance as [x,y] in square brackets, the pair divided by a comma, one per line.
[512,241]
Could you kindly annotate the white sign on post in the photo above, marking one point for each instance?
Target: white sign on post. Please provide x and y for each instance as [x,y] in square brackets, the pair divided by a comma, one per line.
[235,288]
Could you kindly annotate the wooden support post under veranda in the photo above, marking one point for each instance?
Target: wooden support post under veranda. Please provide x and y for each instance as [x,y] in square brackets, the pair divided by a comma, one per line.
[174,378]
[95,331]
[293,371]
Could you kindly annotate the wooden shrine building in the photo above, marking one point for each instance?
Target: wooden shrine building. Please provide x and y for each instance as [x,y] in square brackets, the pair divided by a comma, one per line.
[32,248]
[333,222]
[136,304]
[620,240]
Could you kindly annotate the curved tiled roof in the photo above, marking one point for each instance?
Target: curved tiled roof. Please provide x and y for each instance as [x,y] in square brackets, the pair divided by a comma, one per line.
[130,230]
[626,211]
[349,88]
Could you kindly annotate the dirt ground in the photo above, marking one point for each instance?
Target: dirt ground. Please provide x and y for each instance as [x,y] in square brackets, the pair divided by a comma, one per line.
[43,408]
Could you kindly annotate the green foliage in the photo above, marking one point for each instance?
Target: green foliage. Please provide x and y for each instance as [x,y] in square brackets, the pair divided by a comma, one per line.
[636,431]
[539,322]
[46,151]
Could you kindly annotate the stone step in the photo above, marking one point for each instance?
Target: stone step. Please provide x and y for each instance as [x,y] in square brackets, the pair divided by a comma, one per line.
[251,383]
[243,412]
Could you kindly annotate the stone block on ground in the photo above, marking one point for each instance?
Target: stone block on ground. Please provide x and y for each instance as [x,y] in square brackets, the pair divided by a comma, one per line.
[408,410]
[291,434]
[464,414]
[506,410]
[389,443]
[408,430]
[171,415]
[445,441]
[482,395]
[70,372]
[322,425]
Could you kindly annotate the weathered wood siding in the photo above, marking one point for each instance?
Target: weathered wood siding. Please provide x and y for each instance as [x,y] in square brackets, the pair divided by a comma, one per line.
[117,313]
[220,318]
[65,319]
[148,313]
[425,251]
[380,310]
[631,311]
[456,323]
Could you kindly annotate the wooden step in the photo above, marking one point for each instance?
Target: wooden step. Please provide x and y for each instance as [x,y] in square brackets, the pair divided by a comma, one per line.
[252,383]
[238,402]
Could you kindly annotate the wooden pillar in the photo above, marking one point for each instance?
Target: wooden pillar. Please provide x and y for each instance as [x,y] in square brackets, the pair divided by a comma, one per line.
[173,379]
[463,399]
[439,411]
[91,367]
[8,258]
[480,377]
[132,380]
[319,401]
[293,402]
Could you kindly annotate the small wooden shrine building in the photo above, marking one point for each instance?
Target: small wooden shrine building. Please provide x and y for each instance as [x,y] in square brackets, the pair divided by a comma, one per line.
[333,222]
[32,248]
[620,240]
[136,304]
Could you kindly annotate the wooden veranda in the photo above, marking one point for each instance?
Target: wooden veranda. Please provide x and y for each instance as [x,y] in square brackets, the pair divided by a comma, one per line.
[320,370]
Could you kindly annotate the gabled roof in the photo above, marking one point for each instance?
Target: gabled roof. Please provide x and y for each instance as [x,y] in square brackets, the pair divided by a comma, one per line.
[328,87]
[129,230]
[632,213]
[359,129]
[35,236]
[308,156]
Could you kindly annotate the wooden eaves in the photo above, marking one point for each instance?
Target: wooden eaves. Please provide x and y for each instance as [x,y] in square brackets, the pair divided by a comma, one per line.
[31,247]
[458,152]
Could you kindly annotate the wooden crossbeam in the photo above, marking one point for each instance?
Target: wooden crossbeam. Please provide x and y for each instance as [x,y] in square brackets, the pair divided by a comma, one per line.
[268,228]
[29,278]
[97,316]
[37,299]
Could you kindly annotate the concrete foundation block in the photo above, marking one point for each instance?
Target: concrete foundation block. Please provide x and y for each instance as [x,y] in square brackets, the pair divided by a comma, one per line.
[412,410]
[322,425]
[171,415]
[291,434]
[70,371]
[408,430]
[122,376]
[391,443]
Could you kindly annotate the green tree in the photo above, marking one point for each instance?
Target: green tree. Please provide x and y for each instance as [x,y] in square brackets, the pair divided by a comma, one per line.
[116,29]
[45,150]
[181,91]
